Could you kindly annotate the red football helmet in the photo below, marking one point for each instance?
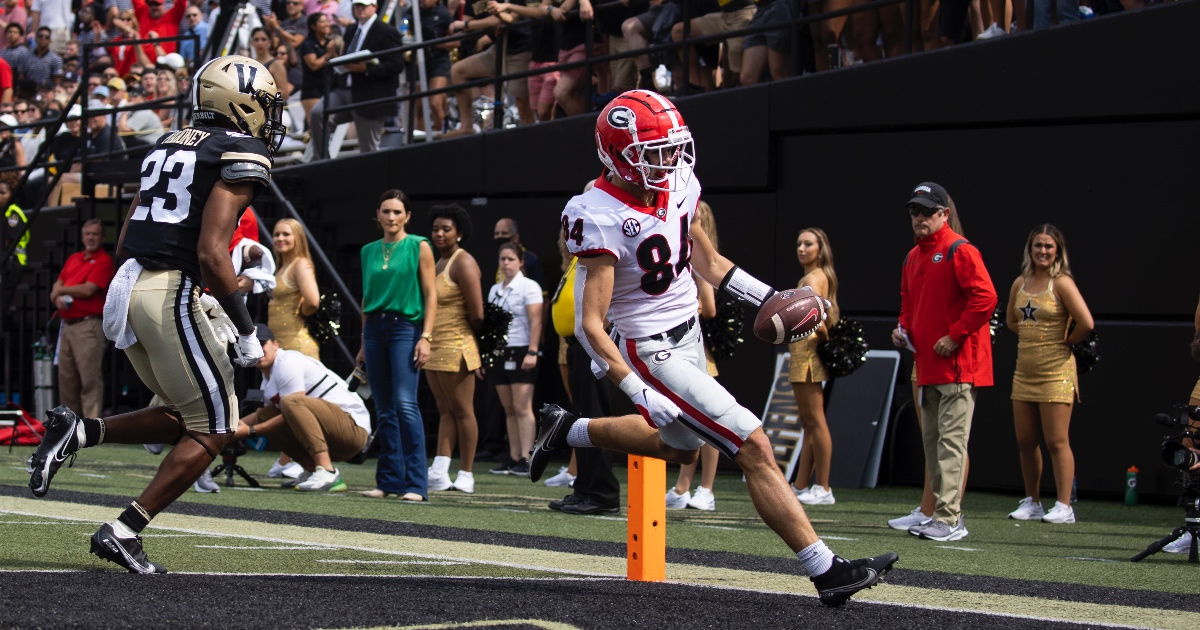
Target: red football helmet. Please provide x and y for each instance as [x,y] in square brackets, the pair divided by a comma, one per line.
[641,137]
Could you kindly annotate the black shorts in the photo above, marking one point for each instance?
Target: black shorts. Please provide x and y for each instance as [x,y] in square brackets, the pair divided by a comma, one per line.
[437,63]
[775,13]
[647,19]
[513,355]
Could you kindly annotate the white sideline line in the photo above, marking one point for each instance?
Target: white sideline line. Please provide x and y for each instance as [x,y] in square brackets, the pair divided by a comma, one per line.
[728,529]
[1086,559]
[34,523]
[957,548]
[272,548]
[439,563]
[92,475]
[837,538]
[512,510]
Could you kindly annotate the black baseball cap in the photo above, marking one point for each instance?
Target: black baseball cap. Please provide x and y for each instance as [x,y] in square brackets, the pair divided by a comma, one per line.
[930,195]
[71,77]
[264,334]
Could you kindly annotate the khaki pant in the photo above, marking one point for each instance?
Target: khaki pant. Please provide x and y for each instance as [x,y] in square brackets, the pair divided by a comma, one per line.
[312,426]
[946,412]
[725,22]
[80,367]
[623,71]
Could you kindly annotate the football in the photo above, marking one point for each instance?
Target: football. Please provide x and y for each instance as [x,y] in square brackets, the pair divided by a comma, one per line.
[789,316]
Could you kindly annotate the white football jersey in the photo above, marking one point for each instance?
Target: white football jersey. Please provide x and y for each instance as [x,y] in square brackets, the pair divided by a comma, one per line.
[653,290]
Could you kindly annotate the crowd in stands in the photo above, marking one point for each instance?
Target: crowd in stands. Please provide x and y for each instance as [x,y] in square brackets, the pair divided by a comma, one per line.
[43,55]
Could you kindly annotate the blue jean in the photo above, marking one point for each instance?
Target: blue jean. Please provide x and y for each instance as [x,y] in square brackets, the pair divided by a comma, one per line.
[1068,11]
[388,343]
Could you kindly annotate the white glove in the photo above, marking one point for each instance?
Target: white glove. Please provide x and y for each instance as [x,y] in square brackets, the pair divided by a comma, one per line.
[658,410]
[826,303]
[248,350]
[222,325]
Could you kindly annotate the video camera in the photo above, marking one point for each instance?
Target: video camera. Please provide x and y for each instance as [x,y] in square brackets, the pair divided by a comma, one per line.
[1174,453]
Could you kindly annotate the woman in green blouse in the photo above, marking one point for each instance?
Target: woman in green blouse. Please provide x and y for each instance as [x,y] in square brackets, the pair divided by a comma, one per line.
[399,303]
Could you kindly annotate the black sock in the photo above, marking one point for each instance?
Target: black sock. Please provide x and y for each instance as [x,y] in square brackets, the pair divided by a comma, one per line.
[93,432]
[135,517]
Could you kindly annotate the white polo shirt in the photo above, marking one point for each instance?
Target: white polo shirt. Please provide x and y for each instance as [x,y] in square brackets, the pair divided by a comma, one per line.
[519,293]
[296,373]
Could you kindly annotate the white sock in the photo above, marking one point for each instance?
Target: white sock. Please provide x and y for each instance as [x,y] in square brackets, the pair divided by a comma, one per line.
[577,437]
[122,530]
[441,464]
[462,474]
[816,558]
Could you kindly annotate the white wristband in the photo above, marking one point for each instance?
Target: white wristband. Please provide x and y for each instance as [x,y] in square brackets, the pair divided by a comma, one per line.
[632,385]
[746,287]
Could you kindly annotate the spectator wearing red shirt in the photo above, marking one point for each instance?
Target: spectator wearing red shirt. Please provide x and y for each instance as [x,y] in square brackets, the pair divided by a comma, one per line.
[154,21]
[946,302]
[79,295]
[6,82]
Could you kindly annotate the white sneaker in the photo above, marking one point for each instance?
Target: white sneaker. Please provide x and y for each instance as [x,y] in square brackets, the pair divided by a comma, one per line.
[292,483]
[322,480]
[703,499]
[904,523]
[1027,510]
[464,482]
[992,31]
[292,470]
[1060,513]
[802,494]
[205,483]
[563,479]
[677,501]
[276,470]
[1183,544]
[438,481]
[818,495]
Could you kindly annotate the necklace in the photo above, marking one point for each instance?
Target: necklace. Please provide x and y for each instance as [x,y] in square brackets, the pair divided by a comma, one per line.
[387,253]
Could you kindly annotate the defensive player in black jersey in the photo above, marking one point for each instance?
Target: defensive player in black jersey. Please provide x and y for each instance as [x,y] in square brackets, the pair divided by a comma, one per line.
[195,183]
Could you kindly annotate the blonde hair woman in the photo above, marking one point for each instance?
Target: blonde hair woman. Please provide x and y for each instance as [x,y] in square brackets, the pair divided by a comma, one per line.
[1041,303]
[296,295]
[806,372]
[680,496]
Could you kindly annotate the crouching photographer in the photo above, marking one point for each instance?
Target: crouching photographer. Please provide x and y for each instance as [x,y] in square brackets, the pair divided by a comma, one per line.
[309,414]
[1179,452]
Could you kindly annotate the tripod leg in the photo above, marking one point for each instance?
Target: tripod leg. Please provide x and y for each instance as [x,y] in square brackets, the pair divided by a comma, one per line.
[1192,555]
[245,475]
[1157,546]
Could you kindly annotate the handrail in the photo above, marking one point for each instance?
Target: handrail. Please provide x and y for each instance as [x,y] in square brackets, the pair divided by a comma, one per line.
[589,60]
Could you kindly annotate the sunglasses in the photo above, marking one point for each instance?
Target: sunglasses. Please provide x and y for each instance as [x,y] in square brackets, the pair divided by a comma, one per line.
[914,211]
[43,36]
[21,111]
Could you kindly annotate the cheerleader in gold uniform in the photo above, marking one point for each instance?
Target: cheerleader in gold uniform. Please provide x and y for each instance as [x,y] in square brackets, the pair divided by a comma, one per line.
[1041,302]
[453,353]
[296,295]
[806,372]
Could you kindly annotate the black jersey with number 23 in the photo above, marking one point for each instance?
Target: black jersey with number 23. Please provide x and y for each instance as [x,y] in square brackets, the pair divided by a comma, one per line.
[177,176]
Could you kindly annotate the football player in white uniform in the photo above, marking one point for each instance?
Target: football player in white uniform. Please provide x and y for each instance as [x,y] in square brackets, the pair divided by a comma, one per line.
[637,250]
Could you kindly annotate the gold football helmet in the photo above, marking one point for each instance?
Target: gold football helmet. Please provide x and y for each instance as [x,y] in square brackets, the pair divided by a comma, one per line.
[243,91]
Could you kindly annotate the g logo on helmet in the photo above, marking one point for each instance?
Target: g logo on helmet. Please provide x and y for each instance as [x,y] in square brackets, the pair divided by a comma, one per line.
[621,117]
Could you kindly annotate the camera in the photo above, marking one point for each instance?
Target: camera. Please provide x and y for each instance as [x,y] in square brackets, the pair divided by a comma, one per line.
[1174,453]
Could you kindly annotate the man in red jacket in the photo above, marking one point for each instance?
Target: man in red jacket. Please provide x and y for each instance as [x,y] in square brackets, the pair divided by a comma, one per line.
[946,301]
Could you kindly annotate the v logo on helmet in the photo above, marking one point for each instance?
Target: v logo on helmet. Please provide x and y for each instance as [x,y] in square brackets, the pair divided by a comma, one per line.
[246,75]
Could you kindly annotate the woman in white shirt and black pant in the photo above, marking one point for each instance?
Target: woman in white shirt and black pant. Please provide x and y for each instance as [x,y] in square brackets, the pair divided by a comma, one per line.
[514,376]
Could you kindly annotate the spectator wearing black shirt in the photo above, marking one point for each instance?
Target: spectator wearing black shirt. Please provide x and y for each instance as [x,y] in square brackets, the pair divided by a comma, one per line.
[315,52]
[435,23]
[292,27]
[569,89]
[515,41]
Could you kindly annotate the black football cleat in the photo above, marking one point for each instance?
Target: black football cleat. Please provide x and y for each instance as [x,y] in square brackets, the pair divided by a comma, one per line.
[847,577]
[552,435]
[126,552]
[59,444]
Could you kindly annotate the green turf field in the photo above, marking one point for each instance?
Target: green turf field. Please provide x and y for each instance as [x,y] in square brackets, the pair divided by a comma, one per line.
[1094,551]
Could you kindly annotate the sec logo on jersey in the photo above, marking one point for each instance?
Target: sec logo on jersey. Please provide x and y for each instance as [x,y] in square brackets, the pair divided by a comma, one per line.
[631,227]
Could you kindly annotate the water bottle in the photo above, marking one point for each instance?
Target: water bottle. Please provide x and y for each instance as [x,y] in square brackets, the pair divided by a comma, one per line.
[1131,486]
[405,35]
